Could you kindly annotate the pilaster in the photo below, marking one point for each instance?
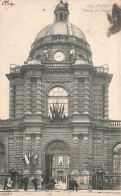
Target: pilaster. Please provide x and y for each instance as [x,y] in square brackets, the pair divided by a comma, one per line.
[106,102]
[38,150]
[39,96]
[28,96]
[76,97]
[11,110]
[86,96]
[85,154]
[75,156]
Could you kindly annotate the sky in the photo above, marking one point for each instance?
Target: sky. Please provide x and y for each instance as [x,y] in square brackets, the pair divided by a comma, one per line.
[21,23]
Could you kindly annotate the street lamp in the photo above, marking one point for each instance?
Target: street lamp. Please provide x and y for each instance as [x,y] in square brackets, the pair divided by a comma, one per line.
[90,172]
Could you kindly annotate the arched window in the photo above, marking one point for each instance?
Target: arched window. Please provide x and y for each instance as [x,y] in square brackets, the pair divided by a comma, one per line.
[2,158]
[57,104]
[117,159]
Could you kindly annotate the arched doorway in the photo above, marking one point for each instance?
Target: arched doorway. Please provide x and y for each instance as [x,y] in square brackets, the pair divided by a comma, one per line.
[57,161]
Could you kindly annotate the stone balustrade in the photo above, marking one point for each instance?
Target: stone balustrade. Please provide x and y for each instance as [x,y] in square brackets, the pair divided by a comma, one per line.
[15,68]
[115,123]
[54,65]
[4,123]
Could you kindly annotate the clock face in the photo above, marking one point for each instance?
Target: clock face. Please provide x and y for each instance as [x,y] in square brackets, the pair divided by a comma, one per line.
[59,56]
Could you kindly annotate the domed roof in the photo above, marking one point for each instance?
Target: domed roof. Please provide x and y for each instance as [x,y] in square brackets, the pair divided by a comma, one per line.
[62,6]
[61,28]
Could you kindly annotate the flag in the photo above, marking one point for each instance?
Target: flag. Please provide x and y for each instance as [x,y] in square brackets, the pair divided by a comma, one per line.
[26,159]
[35,158]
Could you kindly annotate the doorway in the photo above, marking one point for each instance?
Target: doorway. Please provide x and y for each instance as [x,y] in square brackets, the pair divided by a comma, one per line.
[57,161]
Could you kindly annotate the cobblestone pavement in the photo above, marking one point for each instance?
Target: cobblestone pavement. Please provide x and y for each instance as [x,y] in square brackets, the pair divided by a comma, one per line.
[61,193]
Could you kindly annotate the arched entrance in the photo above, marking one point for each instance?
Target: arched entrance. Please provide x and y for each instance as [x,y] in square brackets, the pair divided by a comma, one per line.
[57,161]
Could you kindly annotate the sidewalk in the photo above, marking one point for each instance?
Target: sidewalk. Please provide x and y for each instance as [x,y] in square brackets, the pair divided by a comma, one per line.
[64,190]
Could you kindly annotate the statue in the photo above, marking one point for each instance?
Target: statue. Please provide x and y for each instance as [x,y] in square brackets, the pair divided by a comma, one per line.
[72,54]
[44,54]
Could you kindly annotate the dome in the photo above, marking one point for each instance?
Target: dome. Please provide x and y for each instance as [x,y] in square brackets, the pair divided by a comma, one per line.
[60,32]
[61,6]
[61,28]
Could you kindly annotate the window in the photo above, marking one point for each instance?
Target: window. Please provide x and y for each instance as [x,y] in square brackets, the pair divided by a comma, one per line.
[61,160]
[2,158]
[57,104]
[117,159]
[61,16]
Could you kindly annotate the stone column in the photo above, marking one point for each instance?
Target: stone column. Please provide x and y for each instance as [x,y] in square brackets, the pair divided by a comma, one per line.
[11,110]
[38,150]
[39,96]
[85,154]
[75,156]
[86,96]
[106,102]
[76,97]
[28,96]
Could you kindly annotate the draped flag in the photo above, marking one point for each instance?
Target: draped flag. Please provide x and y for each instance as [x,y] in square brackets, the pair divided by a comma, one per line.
[26,159]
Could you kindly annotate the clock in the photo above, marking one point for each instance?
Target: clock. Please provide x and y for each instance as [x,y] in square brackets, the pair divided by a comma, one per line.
[59,56]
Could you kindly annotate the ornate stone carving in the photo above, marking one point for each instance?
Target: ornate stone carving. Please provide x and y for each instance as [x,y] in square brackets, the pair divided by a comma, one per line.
[56,79]
[57,145]
[33,72]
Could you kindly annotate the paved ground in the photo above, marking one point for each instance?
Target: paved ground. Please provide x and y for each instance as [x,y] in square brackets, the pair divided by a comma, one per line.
[61,193]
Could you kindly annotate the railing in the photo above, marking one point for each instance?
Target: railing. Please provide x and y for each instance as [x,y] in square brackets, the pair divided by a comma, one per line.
[102,69]
[54,65]
[32,62]
[63,39]
[4,123]
[115,123]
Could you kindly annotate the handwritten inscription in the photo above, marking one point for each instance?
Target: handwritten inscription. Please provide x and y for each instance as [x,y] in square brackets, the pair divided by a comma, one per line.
[8,4]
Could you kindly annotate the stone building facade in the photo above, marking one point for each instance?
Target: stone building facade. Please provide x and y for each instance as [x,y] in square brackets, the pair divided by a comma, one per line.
[59,125]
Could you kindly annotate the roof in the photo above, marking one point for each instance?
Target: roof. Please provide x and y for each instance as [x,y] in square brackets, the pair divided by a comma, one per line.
[61,28]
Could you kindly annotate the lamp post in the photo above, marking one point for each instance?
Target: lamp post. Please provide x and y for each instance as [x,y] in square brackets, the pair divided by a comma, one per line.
[90,172]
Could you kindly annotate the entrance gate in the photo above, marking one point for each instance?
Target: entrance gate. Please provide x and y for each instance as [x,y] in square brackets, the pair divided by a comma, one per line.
[57,161]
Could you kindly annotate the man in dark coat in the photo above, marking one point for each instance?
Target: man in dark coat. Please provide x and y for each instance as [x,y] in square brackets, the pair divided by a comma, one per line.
[75,185]
[35,183]
[5,183]
[25,182]
[71,184]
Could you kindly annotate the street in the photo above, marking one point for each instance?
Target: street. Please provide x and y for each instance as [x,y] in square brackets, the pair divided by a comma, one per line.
[61,193]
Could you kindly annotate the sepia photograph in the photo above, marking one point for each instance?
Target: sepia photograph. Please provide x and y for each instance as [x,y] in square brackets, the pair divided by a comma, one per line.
[60,97]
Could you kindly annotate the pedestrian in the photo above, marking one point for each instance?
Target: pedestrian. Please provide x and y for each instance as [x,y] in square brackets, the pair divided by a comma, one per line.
[35,183]
[9,183]
[42,181]
[5,183]
[25,182]
[71,184]
[75,185]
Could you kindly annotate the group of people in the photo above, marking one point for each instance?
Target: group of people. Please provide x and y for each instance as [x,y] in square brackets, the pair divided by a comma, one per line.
[8,183]
[72,184]
[26,182]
